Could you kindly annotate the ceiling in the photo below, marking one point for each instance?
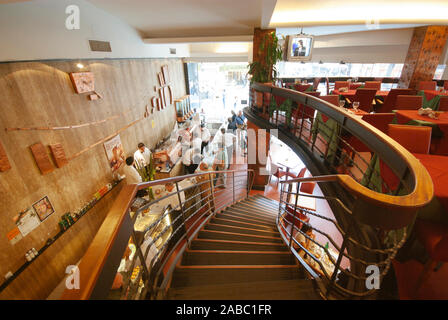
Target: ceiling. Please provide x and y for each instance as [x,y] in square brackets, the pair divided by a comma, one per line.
[192,18]
[156,19]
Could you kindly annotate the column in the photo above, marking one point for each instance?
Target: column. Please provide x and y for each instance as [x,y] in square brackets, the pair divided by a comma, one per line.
[424,53]
[258,142]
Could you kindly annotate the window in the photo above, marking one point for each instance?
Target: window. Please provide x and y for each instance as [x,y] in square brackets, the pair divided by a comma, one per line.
[296,70]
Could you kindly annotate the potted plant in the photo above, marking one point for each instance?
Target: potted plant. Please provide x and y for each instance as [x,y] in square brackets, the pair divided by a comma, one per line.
[264,69]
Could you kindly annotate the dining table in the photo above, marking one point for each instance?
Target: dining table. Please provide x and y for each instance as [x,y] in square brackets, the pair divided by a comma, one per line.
[351,93]
[439,135]
[431,98]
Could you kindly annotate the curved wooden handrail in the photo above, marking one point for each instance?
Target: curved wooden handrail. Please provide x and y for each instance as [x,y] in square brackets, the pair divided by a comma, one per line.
[96,255]
[423,190]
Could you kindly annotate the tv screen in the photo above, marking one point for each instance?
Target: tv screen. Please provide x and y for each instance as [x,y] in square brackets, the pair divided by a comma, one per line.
[300,47]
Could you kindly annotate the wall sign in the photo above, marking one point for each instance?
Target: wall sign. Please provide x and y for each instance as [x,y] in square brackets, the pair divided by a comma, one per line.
[83,81]
[114,153]
[41,156]
[58,155]
[43,208]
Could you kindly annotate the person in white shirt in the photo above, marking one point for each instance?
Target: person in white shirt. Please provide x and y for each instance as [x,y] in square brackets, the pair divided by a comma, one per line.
[228,141]
[191,159]
[132,175]
[142,156]
[205,136]
[197,141]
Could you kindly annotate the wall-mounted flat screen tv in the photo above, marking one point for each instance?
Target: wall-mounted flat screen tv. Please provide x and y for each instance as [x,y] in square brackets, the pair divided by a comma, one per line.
[300,47]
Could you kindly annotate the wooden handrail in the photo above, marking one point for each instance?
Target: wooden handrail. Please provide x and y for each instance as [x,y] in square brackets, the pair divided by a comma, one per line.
[96,255]
[423,190]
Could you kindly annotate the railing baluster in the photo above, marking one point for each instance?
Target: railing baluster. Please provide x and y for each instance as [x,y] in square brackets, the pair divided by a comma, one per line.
[183,214]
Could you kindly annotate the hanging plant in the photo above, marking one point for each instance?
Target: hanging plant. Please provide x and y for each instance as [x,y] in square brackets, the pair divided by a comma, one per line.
[271,52]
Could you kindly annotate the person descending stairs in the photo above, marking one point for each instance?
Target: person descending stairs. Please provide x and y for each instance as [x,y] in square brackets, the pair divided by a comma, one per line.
[239,254]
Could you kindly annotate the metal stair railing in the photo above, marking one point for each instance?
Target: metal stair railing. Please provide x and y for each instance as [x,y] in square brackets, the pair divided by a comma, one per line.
[158,231]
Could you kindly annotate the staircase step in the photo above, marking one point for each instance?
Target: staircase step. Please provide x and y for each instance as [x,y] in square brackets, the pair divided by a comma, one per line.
[242,230]
[236,223]
[220,235]
[233,215]
[263,202]
[209,244]
[257,213]
[258,209]
[298,289]
[228,258]
[187,276]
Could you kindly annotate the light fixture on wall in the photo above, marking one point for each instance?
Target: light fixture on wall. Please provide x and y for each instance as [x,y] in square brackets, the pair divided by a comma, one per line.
[80,65]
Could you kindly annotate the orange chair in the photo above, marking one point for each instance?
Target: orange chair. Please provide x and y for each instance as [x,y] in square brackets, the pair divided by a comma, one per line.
[434,238]
[365,98]
[416,139]
[307,187]
[389,102]
[445,85]
[341,84]
[332,98]
[409,102]
[427,85]
[301,173]
[443,104]
[373,85]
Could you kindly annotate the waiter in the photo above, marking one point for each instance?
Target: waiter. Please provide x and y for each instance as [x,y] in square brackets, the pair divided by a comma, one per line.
[205,137]
[142,157]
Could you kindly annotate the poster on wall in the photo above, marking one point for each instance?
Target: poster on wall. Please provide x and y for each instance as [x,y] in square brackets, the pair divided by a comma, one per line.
[27,221]
[43,208]
[114,153]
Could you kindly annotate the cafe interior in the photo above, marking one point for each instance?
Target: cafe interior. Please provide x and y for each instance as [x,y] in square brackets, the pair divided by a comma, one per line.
[224,150]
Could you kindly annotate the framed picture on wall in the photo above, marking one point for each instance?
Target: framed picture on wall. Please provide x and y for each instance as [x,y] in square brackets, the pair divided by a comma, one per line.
[115,153]
[43,208]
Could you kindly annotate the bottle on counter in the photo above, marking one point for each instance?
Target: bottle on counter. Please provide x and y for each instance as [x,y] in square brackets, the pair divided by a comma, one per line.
[35,252]
[28,257]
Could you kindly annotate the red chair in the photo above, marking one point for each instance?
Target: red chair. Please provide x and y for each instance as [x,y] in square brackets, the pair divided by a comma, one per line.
[379,121]
[409,102]
[427,85]
[302,87]
[416,139]
[365,98]
[301,173]
[341,84]
[373,85]
[332,98]
[389,102]
[354,86]
[443,104]
[434,238]
[313,93]
[445,85]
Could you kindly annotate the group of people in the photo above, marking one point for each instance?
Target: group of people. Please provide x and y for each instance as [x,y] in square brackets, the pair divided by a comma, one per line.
[193,147]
